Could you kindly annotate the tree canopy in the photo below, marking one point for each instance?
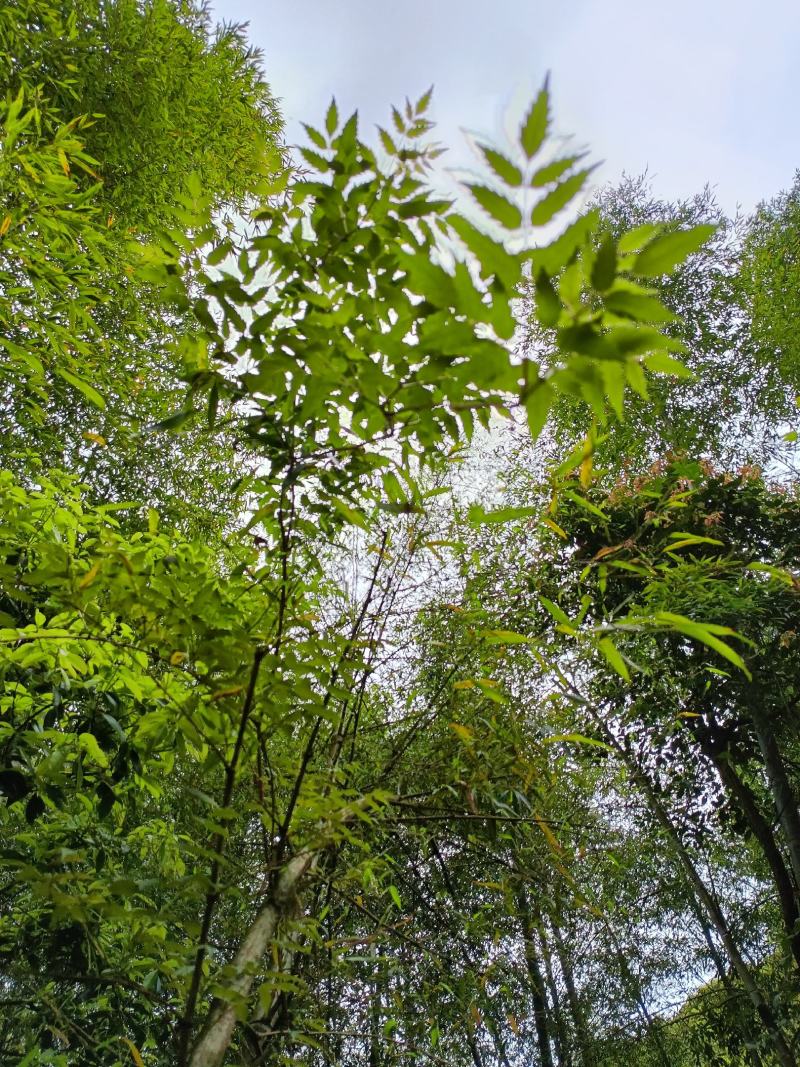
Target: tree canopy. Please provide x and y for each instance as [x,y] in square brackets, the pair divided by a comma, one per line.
[320,743]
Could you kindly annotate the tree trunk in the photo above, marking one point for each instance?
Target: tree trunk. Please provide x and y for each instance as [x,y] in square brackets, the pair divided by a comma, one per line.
[783,1053]
[562,1037]
[216,1035]
[575,1007]
[538,992]
[780,787]
[762,832]
[712,909]
[722,972]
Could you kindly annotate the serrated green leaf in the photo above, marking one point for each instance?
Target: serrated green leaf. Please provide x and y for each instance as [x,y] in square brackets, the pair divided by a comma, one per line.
[551,172]
[332,118]
[534,128]
[492,256]
[558,198]
[423,103]
[315,136]
[638,237]
[89,745]
[388,144]
[504,168]
[502,210]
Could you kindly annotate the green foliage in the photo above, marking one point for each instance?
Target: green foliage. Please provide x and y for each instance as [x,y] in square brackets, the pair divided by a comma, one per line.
[735,396]
[87,355]
[770,280]
[163,96]
[281,744]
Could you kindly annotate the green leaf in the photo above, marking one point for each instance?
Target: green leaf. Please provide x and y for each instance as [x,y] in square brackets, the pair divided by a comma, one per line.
[492,256]
[351,515]
[604,268]
[664,253]
[537,407]
[502,210]
[172,422]
[638,306]
[332,118]
[580,739]
[614,658]
[666,364]
[504,637]
[477,516]
[423,103]
[389,147]
[555,201]
[504,168]
[89,745]
[534,128]
[87,391]
[638,237]
[555,256]
[706,634]
[394,893]
[548,302]
[587,505]
[551,172]
[315,136]
[558,613]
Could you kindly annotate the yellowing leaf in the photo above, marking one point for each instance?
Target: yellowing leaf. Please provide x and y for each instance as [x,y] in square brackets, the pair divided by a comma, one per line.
[549,835]
[548,522]
[606,551]
[136,1056]
[176,658]
[232,691]
[586,471]
[97,438]
[89,577]
[4,225]
[463,732]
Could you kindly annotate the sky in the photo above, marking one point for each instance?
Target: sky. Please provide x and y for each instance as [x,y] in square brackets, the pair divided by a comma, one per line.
[693,91]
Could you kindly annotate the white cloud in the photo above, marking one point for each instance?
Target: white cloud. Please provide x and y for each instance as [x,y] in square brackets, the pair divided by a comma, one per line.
[695,90]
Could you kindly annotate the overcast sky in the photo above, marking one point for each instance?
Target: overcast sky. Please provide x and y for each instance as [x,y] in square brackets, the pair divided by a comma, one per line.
[694,91]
